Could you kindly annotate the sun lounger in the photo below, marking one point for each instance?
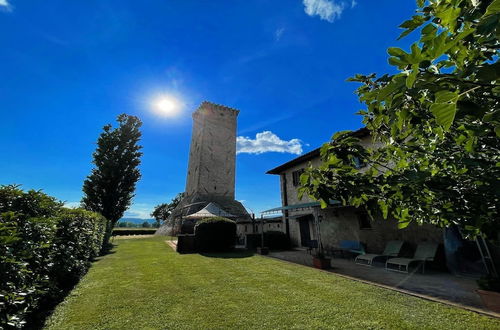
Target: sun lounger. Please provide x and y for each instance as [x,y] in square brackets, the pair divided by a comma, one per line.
[425,252]
[392,249]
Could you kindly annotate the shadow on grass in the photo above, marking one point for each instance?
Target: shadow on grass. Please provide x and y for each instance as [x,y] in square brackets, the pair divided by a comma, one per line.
[235,254]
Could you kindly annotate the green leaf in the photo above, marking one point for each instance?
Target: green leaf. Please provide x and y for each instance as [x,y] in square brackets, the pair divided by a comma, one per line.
[411,24]
[492,116]
[383,207]
[412,76]
[445,108]
[402,225]
[493,8]
[446,96]
[449,17]
[397,62]
[444,113]
[395,51]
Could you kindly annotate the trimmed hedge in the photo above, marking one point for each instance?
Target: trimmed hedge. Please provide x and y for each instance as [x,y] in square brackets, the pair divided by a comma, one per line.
[133,231]
[44,250]
[216,234]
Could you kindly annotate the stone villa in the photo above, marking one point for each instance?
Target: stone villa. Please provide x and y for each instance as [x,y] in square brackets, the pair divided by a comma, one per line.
[339,223]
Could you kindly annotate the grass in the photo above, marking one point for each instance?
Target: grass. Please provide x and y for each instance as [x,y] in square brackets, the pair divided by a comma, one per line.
[146,285]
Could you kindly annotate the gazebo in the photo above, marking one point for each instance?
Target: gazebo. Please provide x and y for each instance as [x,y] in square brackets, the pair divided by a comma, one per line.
[210,211]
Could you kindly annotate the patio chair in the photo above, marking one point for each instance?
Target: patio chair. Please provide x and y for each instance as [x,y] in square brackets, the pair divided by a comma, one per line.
[392,249]
[426,251]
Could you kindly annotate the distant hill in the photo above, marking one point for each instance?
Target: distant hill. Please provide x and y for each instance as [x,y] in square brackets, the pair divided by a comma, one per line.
[137,221]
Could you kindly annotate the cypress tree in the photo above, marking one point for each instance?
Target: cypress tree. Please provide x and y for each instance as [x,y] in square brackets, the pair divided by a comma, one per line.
[110,187]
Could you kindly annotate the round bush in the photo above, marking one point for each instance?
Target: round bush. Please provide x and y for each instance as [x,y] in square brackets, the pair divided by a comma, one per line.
[216,234]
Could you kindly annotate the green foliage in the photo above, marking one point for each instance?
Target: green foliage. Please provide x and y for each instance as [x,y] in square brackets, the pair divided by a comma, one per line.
[215,234]
[162,212]
[78,240]
[44,249]
[436,126]
[110,187]
[32,203]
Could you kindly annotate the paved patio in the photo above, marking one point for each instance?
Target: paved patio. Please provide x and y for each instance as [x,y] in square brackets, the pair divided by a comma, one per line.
[432,284]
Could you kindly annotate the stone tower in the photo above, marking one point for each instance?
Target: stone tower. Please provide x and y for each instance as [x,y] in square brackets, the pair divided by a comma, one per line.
[212,156]
[211,168]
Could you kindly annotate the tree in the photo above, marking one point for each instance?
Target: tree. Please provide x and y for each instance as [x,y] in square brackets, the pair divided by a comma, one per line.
[437,122]
[162,211]
[146,224]
[110,187]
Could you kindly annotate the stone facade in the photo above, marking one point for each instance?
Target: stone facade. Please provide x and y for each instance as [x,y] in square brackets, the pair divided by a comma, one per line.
[341,223]
[212,155]
[211,168]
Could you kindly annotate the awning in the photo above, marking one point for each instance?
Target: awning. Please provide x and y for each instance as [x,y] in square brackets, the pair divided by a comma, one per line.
[210,211]
[296,207]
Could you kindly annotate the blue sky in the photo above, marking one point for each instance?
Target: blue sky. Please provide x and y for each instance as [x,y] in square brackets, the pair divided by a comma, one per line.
[67,68]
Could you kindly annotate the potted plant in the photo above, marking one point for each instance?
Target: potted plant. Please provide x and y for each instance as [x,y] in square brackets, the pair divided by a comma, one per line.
[321,261]
[489,290]
[263,250]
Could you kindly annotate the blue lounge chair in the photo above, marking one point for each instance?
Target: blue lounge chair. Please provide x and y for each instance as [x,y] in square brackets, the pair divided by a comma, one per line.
[425,252]
[392,249]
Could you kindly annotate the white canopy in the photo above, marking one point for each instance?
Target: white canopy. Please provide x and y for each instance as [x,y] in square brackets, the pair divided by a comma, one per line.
[210,211]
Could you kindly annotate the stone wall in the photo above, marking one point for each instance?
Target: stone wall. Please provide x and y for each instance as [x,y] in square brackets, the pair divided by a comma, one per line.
[343,224]
[212,154]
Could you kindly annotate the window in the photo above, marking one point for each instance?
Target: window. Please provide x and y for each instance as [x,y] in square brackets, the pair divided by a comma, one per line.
[364,221]
[296,177]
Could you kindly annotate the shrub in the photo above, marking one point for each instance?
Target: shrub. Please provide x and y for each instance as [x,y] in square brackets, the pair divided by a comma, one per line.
[215,234]
[25,259]
[77,242]
[44,250]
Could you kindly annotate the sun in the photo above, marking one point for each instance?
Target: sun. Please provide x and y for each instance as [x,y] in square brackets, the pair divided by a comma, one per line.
[166,106]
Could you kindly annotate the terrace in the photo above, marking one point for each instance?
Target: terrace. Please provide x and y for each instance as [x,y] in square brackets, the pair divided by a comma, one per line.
[433,285]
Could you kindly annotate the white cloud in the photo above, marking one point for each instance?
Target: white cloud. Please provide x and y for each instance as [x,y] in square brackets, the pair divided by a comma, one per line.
[327,10]
[139,210]
[353,3]
[267,141]
[278,33]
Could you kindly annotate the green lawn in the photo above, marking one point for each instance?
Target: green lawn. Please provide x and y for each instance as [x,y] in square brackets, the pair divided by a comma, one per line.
[146,285]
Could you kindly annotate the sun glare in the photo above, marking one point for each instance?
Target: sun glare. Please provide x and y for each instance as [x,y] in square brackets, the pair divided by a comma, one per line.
[166,106]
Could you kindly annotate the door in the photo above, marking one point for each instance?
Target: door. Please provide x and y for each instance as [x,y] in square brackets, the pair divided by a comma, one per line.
[305,231]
